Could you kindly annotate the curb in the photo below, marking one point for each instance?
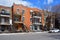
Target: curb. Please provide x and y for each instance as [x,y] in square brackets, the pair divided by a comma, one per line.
[21,33]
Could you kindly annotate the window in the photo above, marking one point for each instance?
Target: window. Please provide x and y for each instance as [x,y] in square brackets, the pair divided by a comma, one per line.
[45,14]
[3,11]
[31,28]
[36,20]
[22,19]
[6,20]
[23,12]
[2,20]
[16,18]
[17,11]
[40,20]
[31,19]
[34,14]
[35,27]
[7,11]
[31,12]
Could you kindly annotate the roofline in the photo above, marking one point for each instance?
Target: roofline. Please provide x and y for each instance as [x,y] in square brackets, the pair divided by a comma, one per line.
[4,6]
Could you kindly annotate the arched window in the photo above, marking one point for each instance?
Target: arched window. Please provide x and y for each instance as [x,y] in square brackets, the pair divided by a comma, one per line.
[23,19]
[23,11]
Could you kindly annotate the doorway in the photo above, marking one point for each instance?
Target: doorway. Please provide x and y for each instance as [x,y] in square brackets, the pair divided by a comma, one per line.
[57,23]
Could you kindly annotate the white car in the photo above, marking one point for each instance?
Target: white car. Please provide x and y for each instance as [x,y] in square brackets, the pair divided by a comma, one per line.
[54,31]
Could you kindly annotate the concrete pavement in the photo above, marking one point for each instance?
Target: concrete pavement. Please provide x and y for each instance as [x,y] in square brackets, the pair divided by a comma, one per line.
[30,36]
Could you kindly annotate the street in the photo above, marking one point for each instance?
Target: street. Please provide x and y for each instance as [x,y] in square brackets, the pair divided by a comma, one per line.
[30,36]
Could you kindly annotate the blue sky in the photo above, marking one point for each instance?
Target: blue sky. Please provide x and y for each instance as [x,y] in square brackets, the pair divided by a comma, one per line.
[40,4]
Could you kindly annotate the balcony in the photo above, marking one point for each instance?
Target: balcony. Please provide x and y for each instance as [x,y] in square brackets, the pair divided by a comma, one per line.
[37,23]
[5,15]
[4,23]
[17,14]
[18,22]
[36,17]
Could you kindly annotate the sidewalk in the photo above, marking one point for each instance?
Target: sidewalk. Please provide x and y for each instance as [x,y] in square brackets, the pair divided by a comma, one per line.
[22,33]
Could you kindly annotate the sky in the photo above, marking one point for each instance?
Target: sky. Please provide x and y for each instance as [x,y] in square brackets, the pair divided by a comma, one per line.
[40,4]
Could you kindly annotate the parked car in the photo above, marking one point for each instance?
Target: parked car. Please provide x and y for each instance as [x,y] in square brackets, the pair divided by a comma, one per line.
[54,30]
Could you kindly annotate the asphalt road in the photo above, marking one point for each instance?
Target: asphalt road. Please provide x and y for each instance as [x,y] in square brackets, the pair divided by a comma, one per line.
[35,36]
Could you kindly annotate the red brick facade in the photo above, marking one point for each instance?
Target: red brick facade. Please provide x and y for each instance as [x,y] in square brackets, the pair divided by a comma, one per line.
[26,14]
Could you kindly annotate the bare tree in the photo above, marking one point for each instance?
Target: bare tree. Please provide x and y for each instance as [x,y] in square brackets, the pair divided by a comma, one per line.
[56,10]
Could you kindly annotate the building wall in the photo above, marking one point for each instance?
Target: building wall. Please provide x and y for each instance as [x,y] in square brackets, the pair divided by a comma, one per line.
[6,18]
[27,14]
[10,11]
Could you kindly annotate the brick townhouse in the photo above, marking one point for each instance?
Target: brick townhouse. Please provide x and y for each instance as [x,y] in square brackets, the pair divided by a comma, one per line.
[25,18]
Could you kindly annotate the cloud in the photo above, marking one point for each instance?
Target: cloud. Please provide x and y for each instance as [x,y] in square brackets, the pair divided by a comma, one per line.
[10,2]
[23,2]
[49,1]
